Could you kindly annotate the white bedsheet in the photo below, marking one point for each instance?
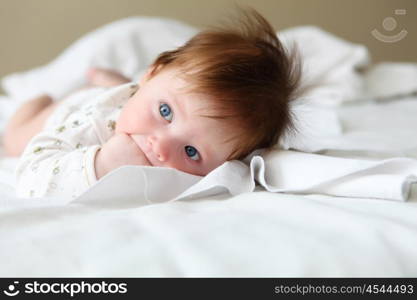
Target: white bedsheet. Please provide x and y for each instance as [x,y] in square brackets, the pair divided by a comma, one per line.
[251,234]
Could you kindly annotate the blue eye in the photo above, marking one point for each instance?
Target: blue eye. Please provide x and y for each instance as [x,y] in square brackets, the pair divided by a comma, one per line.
[192,152]
[166,112]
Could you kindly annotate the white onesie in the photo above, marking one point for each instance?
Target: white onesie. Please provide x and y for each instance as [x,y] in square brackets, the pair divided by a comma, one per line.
[60,159]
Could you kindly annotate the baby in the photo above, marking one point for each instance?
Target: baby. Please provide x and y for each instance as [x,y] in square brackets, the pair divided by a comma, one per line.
[223,94]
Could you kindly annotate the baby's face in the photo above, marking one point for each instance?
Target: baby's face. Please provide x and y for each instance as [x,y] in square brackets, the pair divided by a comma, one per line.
[165,123]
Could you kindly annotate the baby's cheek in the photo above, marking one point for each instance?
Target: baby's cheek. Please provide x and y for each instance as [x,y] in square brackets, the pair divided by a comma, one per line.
[121,125]
[125,123]
[134,122]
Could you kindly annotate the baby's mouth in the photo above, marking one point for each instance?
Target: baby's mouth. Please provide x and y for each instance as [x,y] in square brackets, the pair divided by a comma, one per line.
[138,140]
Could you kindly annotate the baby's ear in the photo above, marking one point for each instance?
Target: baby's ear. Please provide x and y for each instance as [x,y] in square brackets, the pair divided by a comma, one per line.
[150,72]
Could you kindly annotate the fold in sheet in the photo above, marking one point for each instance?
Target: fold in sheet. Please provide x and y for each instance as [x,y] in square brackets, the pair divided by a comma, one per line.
[297,172]
[276,171]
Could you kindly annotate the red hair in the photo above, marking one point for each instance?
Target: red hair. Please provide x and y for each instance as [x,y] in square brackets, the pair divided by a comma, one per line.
[248,74]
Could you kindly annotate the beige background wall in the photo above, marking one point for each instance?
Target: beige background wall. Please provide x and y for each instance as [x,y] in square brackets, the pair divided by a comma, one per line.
[32,32]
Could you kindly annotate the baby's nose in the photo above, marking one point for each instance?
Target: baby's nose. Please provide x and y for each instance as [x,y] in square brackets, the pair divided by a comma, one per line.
[159,148]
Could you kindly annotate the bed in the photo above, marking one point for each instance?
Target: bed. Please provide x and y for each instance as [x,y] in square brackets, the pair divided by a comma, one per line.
[254,233]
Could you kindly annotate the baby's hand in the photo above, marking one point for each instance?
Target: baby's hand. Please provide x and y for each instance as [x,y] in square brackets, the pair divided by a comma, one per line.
[119,150]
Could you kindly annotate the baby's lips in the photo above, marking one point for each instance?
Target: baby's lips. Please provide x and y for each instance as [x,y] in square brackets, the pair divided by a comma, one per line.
[135,139]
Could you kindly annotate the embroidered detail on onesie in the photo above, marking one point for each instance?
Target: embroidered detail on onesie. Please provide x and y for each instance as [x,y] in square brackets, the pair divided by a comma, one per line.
[134,88]
[75,124]
[38,150]
[78,146]
[111,124]
[60,129]
[55,170]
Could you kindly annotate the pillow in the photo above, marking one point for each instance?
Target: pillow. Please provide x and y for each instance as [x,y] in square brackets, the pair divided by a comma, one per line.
[329,62]
[388,80]
[128,46]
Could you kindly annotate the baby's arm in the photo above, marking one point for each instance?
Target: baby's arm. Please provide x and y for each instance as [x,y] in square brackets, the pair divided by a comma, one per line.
[58,162]
[61,163]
